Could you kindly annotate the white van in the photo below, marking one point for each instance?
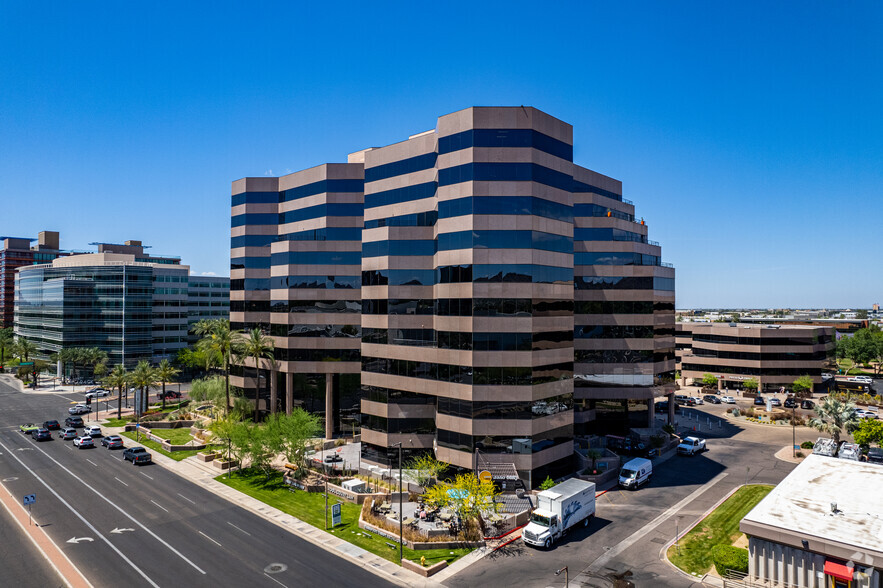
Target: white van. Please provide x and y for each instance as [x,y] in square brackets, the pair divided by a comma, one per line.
[860,379]
[635,473]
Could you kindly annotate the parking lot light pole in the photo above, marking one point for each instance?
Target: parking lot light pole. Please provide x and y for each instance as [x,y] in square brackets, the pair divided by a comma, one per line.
[401,509]
[794,430]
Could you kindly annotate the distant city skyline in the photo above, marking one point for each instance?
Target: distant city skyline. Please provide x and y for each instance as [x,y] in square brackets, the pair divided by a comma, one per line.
[750,142]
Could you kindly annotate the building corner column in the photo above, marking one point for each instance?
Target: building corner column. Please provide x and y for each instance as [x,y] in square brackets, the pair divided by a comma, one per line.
[274,391]
[289,392]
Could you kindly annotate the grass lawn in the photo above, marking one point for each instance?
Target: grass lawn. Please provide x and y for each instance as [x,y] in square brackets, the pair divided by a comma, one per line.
[721,527]
[176,436]
[309,507]
[176,455]
[117,422]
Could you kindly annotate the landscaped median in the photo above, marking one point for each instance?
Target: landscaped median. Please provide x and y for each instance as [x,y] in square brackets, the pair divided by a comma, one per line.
[309,507]
[695,552]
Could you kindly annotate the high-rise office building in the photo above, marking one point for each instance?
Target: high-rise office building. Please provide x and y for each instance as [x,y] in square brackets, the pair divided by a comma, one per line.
[509,298]
[18,252]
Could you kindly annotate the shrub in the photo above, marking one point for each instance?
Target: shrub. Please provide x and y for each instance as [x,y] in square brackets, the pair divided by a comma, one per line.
[799,454]
[657,441]
[807,445]
[547,483]
[736,412]
[727,557]
[340,442]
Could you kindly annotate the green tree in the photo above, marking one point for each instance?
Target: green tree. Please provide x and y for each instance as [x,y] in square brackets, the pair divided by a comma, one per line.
[547,483]
[465,494]
[223,430]
[293,431]
[869,431]
[258,347]
[240,440]
[143,378]
[751,384]
[263,446]
[803,386]
[166,372]
[709,380]
[861,314]
[118,378]
[426,468]
[833,417]
[6,342]
[211,390]
[23,350]
[218,341]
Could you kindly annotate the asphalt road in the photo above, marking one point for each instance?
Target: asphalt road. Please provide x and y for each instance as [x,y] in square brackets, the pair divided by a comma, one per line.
[631,528]
[145,526]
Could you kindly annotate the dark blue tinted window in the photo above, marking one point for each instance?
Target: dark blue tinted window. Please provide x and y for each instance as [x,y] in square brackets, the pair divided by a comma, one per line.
[597,210]
[255,198]
[250,263]
[583,187]
[320,282]
[399,247]
[614,258]
[505,205]
[317,258]
[327,234]
[505,240]
[320,210]
[397,195]
[321,187]
[505,138]
[418,219]
[250,284]
[254,218]
[664,284]
[607,235]
[251,241]
[398,168]
[538,274]
[518,172]
[623,283]
[398,277]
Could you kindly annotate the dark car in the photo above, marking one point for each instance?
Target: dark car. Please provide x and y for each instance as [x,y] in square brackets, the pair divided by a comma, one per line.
[807,404]
[759,401]
[51,425]
[661,406]
[74,421]
[137,455]
[112,441]
[169,395]
[42,434]
[875,455]
[790,403]
[711,399]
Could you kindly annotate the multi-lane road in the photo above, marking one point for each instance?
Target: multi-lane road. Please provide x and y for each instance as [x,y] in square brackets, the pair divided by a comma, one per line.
[142,526]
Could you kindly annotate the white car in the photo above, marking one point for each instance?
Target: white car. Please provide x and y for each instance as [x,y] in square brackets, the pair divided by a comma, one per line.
[728,400]
[865,414]
[97,394]
[79,409]
[92,431]
[83,442]
[698,400]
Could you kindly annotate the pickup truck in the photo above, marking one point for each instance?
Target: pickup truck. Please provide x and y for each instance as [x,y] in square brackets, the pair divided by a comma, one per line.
[691,446]
[137,455]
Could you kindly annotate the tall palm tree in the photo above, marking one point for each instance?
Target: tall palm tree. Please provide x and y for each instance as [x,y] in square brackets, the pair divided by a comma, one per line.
[143,377]
[834,417]
[166,372]
[217,338]
[93,356]
[23,349]
[258,346]
[118,378]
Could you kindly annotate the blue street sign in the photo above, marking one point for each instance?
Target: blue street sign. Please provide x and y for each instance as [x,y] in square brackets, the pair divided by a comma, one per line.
[30,499]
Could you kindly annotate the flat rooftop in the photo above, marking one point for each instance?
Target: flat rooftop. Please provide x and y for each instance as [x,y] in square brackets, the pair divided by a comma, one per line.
[801,508]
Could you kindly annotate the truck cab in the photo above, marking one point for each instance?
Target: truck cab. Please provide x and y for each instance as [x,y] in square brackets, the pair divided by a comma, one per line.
[559,509]
[544,527]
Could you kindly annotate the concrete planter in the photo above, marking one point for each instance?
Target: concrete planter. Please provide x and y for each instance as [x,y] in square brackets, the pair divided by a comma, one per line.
[206,456]
[424,571]
[224,465]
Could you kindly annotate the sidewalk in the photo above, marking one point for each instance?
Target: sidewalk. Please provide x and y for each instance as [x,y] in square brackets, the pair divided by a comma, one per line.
[203,475]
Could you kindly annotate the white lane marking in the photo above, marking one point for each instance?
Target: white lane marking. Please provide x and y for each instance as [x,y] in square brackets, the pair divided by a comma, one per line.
[626,543]
[123,512]
[210,539]
[117,530]
[185,498]
[82,518]
[76,540]
[160,506]
[238,529]
[274,579]
[145,475]
[120,481]
[92,462]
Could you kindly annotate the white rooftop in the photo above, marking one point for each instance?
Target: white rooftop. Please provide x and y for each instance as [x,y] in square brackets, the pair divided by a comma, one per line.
[803,503]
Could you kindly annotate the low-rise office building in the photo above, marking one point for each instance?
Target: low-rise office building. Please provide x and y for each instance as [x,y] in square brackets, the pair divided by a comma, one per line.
[774,355]
[820,527]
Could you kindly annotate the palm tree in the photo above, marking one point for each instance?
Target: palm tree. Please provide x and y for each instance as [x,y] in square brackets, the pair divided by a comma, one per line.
[833,417]
[118,378]
[166,372]
[5,341]
[217,338]
[143,377]
[23,349]
[94,356]
[258,346]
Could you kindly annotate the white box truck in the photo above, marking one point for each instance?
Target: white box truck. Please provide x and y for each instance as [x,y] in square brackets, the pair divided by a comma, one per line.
[558,510]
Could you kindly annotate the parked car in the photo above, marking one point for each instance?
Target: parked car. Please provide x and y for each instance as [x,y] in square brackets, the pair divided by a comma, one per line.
[697,400]
[112,442]
[865,414]
[28,428]
[759,401]
[137,455]
[170,395]
[661,406]
[680,399]
[691,446]
[83,441]
[92,431]
[74,421]
[67,434]
[42,434]
[875,455]
[775,402]
[728,400]
[807,404]
[79,409]
[97,394]
[711,399]
[790,403]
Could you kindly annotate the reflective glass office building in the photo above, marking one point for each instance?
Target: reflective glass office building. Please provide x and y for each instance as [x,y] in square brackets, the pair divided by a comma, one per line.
[505,299]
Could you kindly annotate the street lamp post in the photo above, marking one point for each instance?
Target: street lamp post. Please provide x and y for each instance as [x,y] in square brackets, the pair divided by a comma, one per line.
[401,509]
[794,430]
[566,576]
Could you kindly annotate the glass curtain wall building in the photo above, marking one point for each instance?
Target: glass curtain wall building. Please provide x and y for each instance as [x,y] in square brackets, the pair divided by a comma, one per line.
[509,299]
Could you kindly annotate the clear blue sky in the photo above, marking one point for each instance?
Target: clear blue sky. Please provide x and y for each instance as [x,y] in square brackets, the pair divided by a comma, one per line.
[748,134]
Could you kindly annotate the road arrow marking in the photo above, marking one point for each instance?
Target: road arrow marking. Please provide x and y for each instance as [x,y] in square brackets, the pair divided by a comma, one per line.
[118,531]
[78,539]
[25,449]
